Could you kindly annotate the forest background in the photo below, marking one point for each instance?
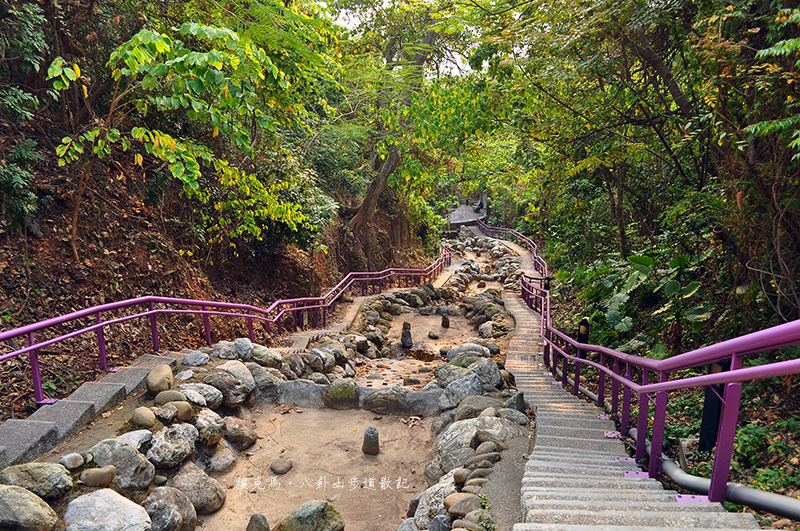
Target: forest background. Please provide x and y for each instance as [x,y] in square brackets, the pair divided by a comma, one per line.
[262,149]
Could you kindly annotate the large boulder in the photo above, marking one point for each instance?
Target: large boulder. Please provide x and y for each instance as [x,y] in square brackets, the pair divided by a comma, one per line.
[239,370]
[432,500]
[134,471]
[159,379]
[472,406]
[472,348]
[390,400]
[232,388]
[48,480]
[105,510]
[456,442]
[22,510]
[266,380]
[487,371]
[341,394]
[304,393]
[266,357]
[170,510]
[204,492]
[243,347]
[216,459]
[316,515]
[459,390]
[171,445]
[210,427]
[447,374]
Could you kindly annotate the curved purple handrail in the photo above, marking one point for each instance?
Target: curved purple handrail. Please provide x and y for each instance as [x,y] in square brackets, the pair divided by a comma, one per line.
[618,367]
[273,315]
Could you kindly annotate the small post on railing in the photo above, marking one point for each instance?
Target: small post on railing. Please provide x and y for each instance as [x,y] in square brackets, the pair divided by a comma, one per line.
[101,343]
[601,384]
[153,327]
[324,317]
[641,426]
[657,443]
[363,288]
[206,326]
[625,422]
[725,439]
[546,354]
[316,317]
[583,337]
[250,327]
[564,367]
[615,389]
[33,356]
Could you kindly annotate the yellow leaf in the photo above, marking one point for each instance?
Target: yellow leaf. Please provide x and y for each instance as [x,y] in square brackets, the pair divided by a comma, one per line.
[85,93]
[216,131]
[77,70]
[138,159]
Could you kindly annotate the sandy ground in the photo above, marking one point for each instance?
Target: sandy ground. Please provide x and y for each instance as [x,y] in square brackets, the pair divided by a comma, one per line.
[371,492]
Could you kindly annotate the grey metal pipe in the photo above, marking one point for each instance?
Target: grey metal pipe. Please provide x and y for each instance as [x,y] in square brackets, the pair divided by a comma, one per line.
[785,506]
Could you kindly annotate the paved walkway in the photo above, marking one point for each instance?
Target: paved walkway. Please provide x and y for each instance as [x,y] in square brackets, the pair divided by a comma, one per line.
[577,477]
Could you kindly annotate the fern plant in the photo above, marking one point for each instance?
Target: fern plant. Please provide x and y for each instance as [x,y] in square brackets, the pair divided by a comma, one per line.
[15,178]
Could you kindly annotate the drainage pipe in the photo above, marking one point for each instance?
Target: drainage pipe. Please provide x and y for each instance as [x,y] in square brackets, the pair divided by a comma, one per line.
[770,502]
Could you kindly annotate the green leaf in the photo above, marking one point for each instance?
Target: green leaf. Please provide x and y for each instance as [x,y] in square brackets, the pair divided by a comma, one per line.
[616,301]
[625,325]
[672,288]
[636,278]
[690,289]
[698,314]
[677,263]
[643,260]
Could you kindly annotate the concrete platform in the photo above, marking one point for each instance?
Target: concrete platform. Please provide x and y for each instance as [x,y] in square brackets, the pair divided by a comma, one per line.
[70,416]
[151,360]
[104,396]
[26,440]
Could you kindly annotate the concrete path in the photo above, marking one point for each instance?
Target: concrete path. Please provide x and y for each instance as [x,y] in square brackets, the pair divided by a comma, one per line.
[577,477]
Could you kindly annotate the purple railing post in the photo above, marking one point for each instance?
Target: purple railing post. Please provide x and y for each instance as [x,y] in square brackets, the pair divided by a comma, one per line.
[641,426]
[33,356]
[564,367]
[577,373]
[727,433]
[601,385]
[280,324]
[206,326]
[296,316]
[324,317]
[554,367]
[250,327]
[101,343]
[615,389]
[153,328]
[657,443]
[316,317]
[626,402]
[363,288]
[546,348]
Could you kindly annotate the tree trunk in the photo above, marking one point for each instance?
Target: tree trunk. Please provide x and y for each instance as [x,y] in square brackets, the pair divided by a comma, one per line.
[376,188]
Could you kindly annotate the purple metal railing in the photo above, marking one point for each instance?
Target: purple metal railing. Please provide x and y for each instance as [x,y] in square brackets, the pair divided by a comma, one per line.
[656,382]
[362,282]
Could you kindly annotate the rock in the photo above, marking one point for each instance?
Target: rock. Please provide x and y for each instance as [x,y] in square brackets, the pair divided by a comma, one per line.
[73,460]
[171,445]
[431,501]
[258,522]
[341,394]
[459,390]
[319,378]
[170,510]
[303,393]
[165,413]
[440,522]
[445,321]
[408,525]
[204,492]
[266,381]
[447,374]
[105,510]
[487,372]
[243,347]
[241,372]
[371,445]
[210,394]
[314,359]
[184,376]
[22,510]
[159,379]
[224,350]
[99,477]
[216,459]
[486,329]
[266,357]
[479,473]
[478,350]
[210,427]
[472,406]
[486,448]
[433,335]
[387,401]
[169,396]
[461,475]
[281,467]
[195,358]
[144,417]
[136,438]
[134,471]
[514,415]
[316,515]
[184,410]
[375,338]
[232,388]
[239,433]
[453,446]
[405,339]
[412,506]
[160,480]
[479,460]
[47,480]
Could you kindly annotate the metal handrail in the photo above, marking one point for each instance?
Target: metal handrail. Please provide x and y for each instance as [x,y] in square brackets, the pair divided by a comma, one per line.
[618,367]
[273,315]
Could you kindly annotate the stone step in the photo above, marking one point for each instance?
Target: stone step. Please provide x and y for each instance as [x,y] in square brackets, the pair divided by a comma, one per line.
[569,443]
[26,440]
[541,469]
[576,422]
[104,396]
[590,483]
[556,459]
[614,505]
[69,416]
[557,451]
[590,494]
[643,518]
[546,430]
